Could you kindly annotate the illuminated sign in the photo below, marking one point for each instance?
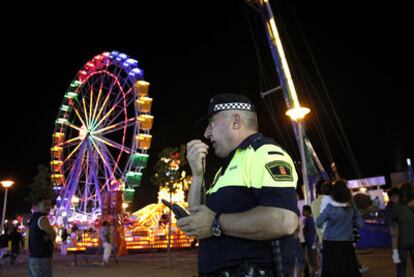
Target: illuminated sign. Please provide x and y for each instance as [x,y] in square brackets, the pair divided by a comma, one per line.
[367,182]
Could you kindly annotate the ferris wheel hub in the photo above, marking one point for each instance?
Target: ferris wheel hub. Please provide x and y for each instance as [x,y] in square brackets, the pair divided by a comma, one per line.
[83,132]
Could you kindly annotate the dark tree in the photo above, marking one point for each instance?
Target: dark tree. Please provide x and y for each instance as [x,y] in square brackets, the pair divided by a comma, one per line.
[169,174]
[42,185]
[169,168]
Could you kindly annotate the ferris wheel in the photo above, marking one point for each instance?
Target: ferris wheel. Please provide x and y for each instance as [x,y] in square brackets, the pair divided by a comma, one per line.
[101,135]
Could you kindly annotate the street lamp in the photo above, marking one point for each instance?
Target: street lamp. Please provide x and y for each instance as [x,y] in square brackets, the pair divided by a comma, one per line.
[298,114]
[75,201]
[6,184]
[124,206]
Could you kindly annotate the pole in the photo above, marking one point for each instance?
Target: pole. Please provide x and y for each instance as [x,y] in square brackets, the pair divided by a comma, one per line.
[169,232]
[4,210]
[307,193]
[286,82]
[410,171]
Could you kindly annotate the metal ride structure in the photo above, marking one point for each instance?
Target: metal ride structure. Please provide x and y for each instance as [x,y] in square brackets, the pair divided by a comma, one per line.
[101,136]
[295,111]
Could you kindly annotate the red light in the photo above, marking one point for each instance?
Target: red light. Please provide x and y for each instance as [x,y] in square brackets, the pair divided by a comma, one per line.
[82,75]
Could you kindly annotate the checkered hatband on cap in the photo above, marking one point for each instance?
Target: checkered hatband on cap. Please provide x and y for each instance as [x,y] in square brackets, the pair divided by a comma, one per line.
[232,106]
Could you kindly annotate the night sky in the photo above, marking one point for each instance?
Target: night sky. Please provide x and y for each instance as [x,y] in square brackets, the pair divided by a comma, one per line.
[347,59]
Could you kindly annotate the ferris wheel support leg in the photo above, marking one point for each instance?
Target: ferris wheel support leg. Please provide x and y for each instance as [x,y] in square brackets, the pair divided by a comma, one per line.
[74,178]
[97,187]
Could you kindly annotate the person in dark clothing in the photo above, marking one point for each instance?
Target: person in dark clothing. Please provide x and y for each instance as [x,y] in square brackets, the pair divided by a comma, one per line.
[16,240]
[309,232]
[41,238]
[394,196]
[64,234]
[3,244]
[64,246]
[403,216]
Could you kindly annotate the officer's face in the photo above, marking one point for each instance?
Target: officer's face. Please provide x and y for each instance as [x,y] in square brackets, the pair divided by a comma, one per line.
[219,133]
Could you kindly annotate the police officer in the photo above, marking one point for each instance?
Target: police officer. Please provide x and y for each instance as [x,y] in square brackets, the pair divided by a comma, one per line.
[252,199]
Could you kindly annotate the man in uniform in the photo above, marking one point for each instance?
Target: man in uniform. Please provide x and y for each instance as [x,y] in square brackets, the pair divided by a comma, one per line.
[252,200]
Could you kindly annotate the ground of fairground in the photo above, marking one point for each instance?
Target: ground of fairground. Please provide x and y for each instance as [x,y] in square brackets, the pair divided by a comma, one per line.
[182,264]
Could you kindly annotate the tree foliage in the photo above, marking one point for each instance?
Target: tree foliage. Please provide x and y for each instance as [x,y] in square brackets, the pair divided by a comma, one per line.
[42,186]
[169,168]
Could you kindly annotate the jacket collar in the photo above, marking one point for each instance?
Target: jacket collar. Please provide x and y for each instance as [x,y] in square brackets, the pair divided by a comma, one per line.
[250,140]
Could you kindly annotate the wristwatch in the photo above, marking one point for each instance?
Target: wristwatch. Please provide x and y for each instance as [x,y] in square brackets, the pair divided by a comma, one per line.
[215,226]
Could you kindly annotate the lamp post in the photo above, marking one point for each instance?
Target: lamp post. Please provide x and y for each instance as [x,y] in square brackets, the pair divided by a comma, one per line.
[297,114]
[75,201]
[6,184]
[124,206]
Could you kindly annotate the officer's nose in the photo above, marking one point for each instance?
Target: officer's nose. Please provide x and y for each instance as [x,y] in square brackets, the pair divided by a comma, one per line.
[207,132]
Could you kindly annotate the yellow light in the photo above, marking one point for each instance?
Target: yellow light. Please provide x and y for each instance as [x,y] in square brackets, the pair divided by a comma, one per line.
[75,200]
[386,198]
[125,205]
[144,104]
[178,196]
[297,113]
[58,138]
[7,183]
[56,149]
[144,141]
[362,189]
[145,121]
[141,87]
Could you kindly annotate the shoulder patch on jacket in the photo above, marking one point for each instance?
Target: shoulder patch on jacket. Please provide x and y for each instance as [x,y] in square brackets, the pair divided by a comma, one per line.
[280,170]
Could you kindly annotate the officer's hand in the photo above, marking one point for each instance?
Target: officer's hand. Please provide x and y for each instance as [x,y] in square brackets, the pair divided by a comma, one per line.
[199,222]
[196,152]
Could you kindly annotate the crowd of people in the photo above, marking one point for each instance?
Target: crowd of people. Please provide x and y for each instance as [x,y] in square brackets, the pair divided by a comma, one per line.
[41,237]
[13,236]
[329,230]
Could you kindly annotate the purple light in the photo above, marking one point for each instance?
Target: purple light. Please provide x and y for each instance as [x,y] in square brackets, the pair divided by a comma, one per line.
[121,57]
[136,73]
[114,54]
[131,62]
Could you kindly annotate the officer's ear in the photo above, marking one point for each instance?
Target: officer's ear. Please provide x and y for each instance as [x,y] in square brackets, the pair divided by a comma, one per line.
[236,121]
